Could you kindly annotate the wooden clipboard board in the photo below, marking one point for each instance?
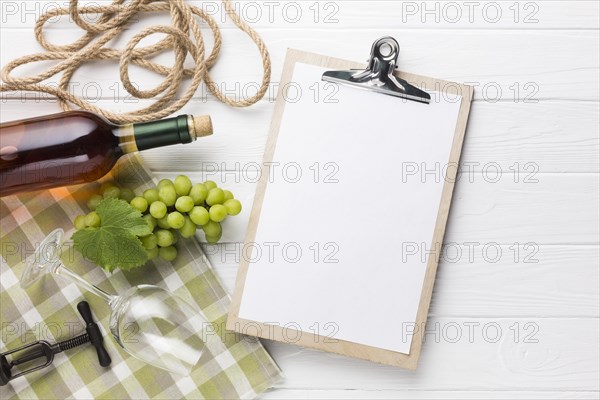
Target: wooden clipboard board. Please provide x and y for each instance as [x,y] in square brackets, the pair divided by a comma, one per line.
[324,342]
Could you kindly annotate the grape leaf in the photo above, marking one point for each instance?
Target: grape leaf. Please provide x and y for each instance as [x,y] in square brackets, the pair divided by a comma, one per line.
[115,243]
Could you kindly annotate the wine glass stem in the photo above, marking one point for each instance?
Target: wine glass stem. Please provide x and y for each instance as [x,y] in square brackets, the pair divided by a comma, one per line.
[63,271]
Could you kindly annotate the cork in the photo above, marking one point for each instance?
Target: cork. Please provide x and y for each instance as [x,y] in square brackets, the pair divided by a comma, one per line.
[200,126]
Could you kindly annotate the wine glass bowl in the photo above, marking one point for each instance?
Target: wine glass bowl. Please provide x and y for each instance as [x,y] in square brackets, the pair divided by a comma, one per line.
[158,328]
[150,323]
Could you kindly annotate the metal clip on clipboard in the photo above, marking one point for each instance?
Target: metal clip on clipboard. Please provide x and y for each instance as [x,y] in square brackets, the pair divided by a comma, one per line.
[379,76]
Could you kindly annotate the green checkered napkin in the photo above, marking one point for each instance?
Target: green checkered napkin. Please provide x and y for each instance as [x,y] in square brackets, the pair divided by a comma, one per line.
[232,367]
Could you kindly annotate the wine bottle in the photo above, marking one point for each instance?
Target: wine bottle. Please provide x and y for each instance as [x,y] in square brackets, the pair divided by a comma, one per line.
[79,146]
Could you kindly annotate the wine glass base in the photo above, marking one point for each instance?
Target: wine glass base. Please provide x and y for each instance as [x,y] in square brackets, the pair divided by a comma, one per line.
[43,259]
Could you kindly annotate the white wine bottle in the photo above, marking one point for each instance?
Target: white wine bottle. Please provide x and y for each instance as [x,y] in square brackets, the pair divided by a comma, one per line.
[79,146]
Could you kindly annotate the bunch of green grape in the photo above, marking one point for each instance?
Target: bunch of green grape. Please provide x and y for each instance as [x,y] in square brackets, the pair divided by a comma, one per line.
[174,208]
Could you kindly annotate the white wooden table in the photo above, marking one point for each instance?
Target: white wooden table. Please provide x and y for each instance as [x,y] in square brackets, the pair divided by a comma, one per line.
[515,311]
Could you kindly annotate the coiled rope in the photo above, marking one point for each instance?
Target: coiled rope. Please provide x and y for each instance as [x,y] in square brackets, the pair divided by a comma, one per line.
[183,37]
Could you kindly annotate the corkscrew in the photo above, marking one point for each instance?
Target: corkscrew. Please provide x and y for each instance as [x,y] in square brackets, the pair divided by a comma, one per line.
[42,350]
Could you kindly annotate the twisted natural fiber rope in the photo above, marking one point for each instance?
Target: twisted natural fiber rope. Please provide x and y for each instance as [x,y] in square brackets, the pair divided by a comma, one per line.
[183,37]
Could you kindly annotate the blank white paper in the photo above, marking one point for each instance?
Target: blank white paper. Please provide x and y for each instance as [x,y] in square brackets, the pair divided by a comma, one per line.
[344,211]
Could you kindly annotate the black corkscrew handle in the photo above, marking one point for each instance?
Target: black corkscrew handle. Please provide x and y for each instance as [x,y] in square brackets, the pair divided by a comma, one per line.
[94,333]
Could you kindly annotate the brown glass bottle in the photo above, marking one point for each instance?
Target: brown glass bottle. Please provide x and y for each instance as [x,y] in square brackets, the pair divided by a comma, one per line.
[79,146]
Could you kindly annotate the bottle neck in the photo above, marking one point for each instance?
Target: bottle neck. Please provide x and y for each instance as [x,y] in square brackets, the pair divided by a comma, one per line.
[149,135]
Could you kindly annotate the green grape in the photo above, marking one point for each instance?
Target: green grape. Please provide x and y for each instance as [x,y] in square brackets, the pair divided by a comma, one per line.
[167,253]
[198,193]
[150,220]
[93,202]
[127,195]
[92,220]
[175,220]
[152,253]
[175,238]
[167,195]
[140,204]
[164,182]
[199,215]
[105,186]
[189,228]
[113,192]
[183,184]
[158,209]
[149,242]
[210,185]
[218,212]
[79,222]
[233,206]
[212,228]
[164,237]
[228,195]
[184,204]
[215,196]
[213,239]
[151,195]
[162,223]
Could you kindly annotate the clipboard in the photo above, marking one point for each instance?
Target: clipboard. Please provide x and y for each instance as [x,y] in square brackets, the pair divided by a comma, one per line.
[371,300]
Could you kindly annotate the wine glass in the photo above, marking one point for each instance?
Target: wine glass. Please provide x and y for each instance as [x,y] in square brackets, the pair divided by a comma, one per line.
[150,323]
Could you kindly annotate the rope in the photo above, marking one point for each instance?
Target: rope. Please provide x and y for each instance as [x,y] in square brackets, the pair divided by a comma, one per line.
[183,37]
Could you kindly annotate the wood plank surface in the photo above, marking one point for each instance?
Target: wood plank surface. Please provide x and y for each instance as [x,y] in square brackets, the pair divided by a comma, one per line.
[518,67]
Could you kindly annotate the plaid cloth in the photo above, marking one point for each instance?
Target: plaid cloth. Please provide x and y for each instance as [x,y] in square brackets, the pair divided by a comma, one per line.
[233,366]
